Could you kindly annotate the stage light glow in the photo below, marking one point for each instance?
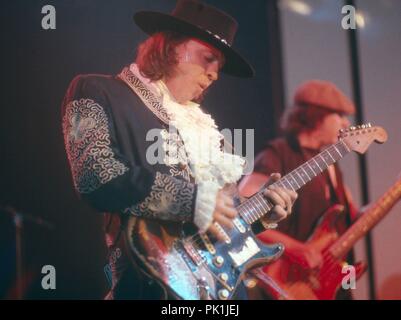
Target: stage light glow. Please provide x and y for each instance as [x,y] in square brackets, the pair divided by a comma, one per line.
[297,6]
[360,19]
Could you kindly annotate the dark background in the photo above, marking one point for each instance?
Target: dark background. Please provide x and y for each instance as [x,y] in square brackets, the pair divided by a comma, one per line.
[91,36]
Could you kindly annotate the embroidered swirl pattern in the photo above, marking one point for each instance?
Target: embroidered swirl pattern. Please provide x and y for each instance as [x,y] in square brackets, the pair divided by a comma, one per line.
[87,141]
[169,199]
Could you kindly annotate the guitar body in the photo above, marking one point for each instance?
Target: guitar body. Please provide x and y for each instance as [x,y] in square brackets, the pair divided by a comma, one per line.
[322,284]
[188,269]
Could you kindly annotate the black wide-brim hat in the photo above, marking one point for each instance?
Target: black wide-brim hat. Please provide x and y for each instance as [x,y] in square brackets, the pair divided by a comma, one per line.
[195,19]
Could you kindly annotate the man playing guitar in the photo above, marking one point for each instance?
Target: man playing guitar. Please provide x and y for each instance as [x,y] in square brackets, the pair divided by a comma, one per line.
[319,112]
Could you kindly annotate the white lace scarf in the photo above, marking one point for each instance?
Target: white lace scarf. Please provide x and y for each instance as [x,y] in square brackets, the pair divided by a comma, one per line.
[201,138]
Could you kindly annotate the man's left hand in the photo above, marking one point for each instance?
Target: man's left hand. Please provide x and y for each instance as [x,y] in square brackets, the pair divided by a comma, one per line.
[282,199]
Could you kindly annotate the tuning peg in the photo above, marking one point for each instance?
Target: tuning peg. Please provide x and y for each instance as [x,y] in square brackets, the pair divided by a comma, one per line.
[341,130]
[358,127]
[369,125]
[363,126]
[352,128]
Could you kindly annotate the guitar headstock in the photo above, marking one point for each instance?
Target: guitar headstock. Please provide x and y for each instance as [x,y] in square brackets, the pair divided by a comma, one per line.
[359,138]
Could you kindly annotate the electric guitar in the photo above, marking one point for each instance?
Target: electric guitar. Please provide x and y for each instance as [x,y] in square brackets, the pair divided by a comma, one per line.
[285,280]
[199,267]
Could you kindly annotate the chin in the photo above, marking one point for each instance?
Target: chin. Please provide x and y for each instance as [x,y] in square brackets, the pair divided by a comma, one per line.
[199,99]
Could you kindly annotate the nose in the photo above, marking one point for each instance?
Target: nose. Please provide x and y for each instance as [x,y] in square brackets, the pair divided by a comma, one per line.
[212,75]
[212,71]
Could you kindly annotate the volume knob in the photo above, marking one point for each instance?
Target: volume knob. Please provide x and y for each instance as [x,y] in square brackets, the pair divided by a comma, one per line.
[218,261]
[223,277]
[223,294]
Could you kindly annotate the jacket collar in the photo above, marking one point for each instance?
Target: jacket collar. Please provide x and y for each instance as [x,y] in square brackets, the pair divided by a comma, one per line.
[150,100]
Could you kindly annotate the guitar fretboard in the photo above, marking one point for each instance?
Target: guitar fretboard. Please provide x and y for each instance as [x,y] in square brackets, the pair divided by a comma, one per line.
[257,206]
[366,222]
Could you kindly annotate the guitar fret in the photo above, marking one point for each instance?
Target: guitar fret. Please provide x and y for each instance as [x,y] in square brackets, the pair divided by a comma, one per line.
[293,179]
[262,210]
[311,168]
[259,211]
[297,180]
[254,209]
[300,177]
[268,204]
[244,211]
[289,184]
[335,148]
[246,217]
[329,153]
[344,146]
[250,212]
[302,167]
[317,164]
[295,186]
[311,174]
[265,204]
[321,156]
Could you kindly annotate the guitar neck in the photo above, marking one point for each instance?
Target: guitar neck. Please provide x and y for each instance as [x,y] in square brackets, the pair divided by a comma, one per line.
[257,206]
[367,221]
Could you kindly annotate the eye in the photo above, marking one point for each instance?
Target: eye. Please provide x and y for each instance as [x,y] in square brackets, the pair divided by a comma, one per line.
[210,58]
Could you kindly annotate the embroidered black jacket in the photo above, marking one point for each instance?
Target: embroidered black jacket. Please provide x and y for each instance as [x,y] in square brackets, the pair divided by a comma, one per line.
[105,124]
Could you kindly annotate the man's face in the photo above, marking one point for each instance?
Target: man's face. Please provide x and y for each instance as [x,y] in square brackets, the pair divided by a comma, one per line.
[198,67]
[328,129]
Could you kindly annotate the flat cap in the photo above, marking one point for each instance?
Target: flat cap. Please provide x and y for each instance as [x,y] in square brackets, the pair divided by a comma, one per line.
[323,94]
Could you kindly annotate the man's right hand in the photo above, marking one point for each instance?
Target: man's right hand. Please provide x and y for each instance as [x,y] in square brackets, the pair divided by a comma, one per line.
[305,255]
[223,214]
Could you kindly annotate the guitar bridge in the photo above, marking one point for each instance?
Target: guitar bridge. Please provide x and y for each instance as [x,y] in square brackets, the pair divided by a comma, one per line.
[193,254]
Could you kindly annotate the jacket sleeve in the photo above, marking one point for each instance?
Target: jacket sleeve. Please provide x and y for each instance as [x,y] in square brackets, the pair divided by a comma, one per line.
[102,175]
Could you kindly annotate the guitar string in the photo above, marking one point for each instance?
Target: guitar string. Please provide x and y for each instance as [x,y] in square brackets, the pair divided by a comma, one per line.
[197,239]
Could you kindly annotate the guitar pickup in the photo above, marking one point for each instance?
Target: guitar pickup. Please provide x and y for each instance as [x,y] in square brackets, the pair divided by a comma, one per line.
[227,239]
[208,244]
[239,225]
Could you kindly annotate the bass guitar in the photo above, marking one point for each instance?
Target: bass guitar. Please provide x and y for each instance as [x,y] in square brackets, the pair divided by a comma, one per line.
[286,280]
